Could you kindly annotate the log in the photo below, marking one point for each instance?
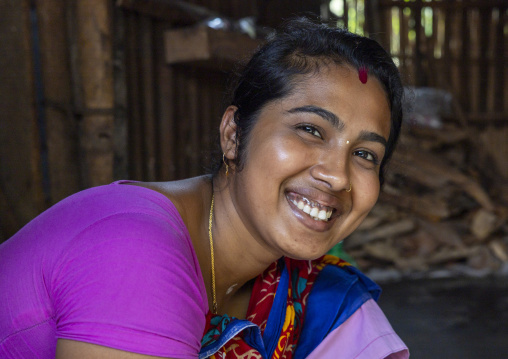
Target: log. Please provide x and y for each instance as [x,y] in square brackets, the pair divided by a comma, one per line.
[484,223]
[434,166]
[385,231]
[429,206]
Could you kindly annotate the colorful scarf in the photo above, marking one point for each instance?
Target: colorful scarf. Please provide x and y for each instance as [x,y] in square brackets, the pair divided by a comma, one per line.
[276,312]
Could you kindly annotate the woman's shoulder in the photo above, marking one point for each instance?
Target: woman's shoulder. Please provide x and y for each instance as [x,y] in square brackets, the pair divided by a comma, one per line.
[102,203]
[112,254]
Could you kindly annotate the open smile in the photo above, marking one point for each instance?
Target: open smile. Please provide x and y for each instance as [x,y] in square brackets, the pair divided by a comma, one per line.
[313,209]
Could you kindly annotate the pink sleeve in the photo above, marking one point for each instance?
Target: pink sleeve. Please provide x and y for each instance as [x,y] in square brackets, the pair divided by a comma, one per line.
[367,334]
[131,281]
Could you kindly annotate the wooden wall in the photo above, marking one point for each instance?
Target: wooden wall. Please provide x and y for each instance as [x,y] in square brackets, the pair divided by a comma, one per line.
[57,97]
[174,109]
[90,96]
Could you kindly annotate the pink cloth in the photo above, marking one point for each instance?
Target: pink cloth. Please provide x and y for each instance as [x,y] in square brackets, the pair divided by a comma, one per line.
[367,334]
[112,265]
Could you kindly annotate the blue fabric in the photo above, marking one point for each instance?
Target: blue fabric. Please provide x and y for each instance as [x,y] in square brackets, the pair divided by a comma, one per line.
[277,314]
[337,293]
[265,344]
[251,332]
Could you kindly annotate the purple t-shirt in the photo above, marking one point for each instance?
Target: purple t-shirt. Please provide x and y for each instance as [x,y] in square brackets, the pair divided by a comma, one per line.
[112,265]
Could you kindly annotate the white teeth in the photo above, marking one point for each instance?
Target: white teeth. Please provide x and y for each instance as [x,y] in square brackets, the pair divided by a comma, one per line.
[314,212]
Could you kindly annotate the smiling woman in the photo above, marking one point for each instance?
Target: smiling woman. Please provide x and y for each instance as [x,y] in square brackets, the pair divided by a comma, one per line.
[231,264]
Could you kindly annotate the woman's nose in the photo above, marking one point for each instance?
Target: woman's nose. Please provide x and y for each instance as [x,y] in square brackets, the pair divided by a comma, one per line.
[333,170]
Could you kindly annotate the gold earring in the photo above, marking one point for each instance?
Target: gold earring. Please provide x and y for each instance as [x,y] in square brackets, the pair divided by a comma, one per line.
[227,167]
[349,190]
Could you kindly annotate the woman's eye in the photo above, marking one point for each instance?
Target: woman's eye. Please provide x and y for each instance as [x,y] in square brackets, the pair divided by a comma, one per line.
[369,156]
[311,129]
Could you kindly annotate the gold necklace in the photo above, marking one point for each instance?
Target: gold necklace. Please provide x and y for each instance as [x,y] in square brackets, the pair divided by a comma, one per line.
[214,296]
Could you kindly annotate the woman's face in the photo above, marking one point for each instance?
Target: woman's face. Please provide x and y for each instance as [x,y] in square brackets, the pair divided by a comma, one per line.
[303,153]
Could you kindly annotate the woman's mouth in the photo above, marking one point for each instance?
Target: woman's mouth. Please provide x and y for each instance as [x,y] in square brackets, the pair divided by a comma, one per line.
[313,209]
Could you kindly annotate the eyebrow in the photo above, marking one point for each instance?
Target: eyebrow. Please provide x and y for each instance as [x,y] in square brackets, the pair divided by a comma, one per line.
[321,112]
[372,137]
[338,123]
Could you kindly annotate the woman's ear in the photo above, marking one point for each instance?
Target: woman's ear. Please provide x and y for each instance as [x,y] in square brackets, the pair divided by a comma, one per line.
[228,133]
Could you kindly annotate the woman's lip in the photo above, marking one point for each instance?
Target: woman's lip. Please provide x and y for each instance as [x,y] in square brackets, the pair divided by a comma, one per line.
[305,219]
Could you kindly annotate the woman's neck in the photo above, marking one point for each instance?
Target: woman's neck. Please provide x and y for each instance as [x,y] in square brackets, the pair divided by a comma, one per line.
[239,257]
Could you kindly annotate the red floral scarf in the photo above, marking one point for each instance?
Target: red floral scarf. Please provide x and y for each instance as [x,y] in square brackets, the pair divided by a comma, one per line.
[278,320]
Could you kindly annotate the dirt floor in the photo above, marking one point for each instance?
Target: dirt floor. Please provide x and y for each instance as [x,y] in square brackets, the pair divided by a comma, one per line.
[450,318]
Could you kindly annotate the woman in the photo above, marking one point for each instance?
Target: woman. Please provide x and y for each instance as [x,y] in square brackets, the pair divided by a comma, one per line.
[230,264]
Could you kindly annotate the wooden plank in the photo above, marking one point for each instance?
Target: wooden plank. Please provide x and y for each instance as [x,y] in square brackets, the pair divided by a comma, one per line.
[485,19]
[61,126]
[165,98]
[504,59]
[182,133]
[418,55]
[473,69]
[20,163]
[404,43]
[464,96]
[373,21]
[147,98]
[175,11]
[193,147]
[432,45]
[135,125]
[454,5]
[450,51]
[385,27]
[205,45]
[9,223]
[120,170]
[501,59]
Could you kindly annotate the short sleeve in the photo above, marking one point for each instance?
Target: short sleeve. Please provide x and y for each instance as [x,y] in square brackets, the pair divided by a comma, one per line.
[131,281]
[367,334]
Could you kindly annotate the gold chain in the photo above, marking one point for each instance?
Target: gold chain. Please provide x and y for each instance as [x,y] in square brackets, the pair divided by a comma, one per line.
[214,296]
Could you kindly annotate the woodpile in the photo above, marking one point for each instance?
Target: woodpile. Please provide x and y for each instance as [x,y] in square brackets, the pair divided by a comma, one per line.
[442,211]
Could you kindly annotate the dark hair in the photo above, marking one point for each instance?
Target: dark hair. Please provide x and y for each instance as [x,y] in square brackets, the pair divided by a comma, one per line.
[300,47]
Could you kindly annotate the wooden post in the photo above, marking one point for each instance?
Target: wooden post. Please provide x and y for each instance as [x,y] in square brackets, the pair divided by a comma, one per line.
[95,76]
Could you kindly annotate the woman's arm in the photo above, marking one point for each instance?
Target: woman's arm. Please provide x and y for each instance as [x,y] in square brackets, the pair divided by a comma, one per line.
[70,349]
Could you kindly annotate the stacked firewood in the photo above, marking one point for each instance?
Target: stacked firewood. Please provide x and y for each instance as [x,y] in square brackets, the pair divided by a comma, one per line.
[442,211]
